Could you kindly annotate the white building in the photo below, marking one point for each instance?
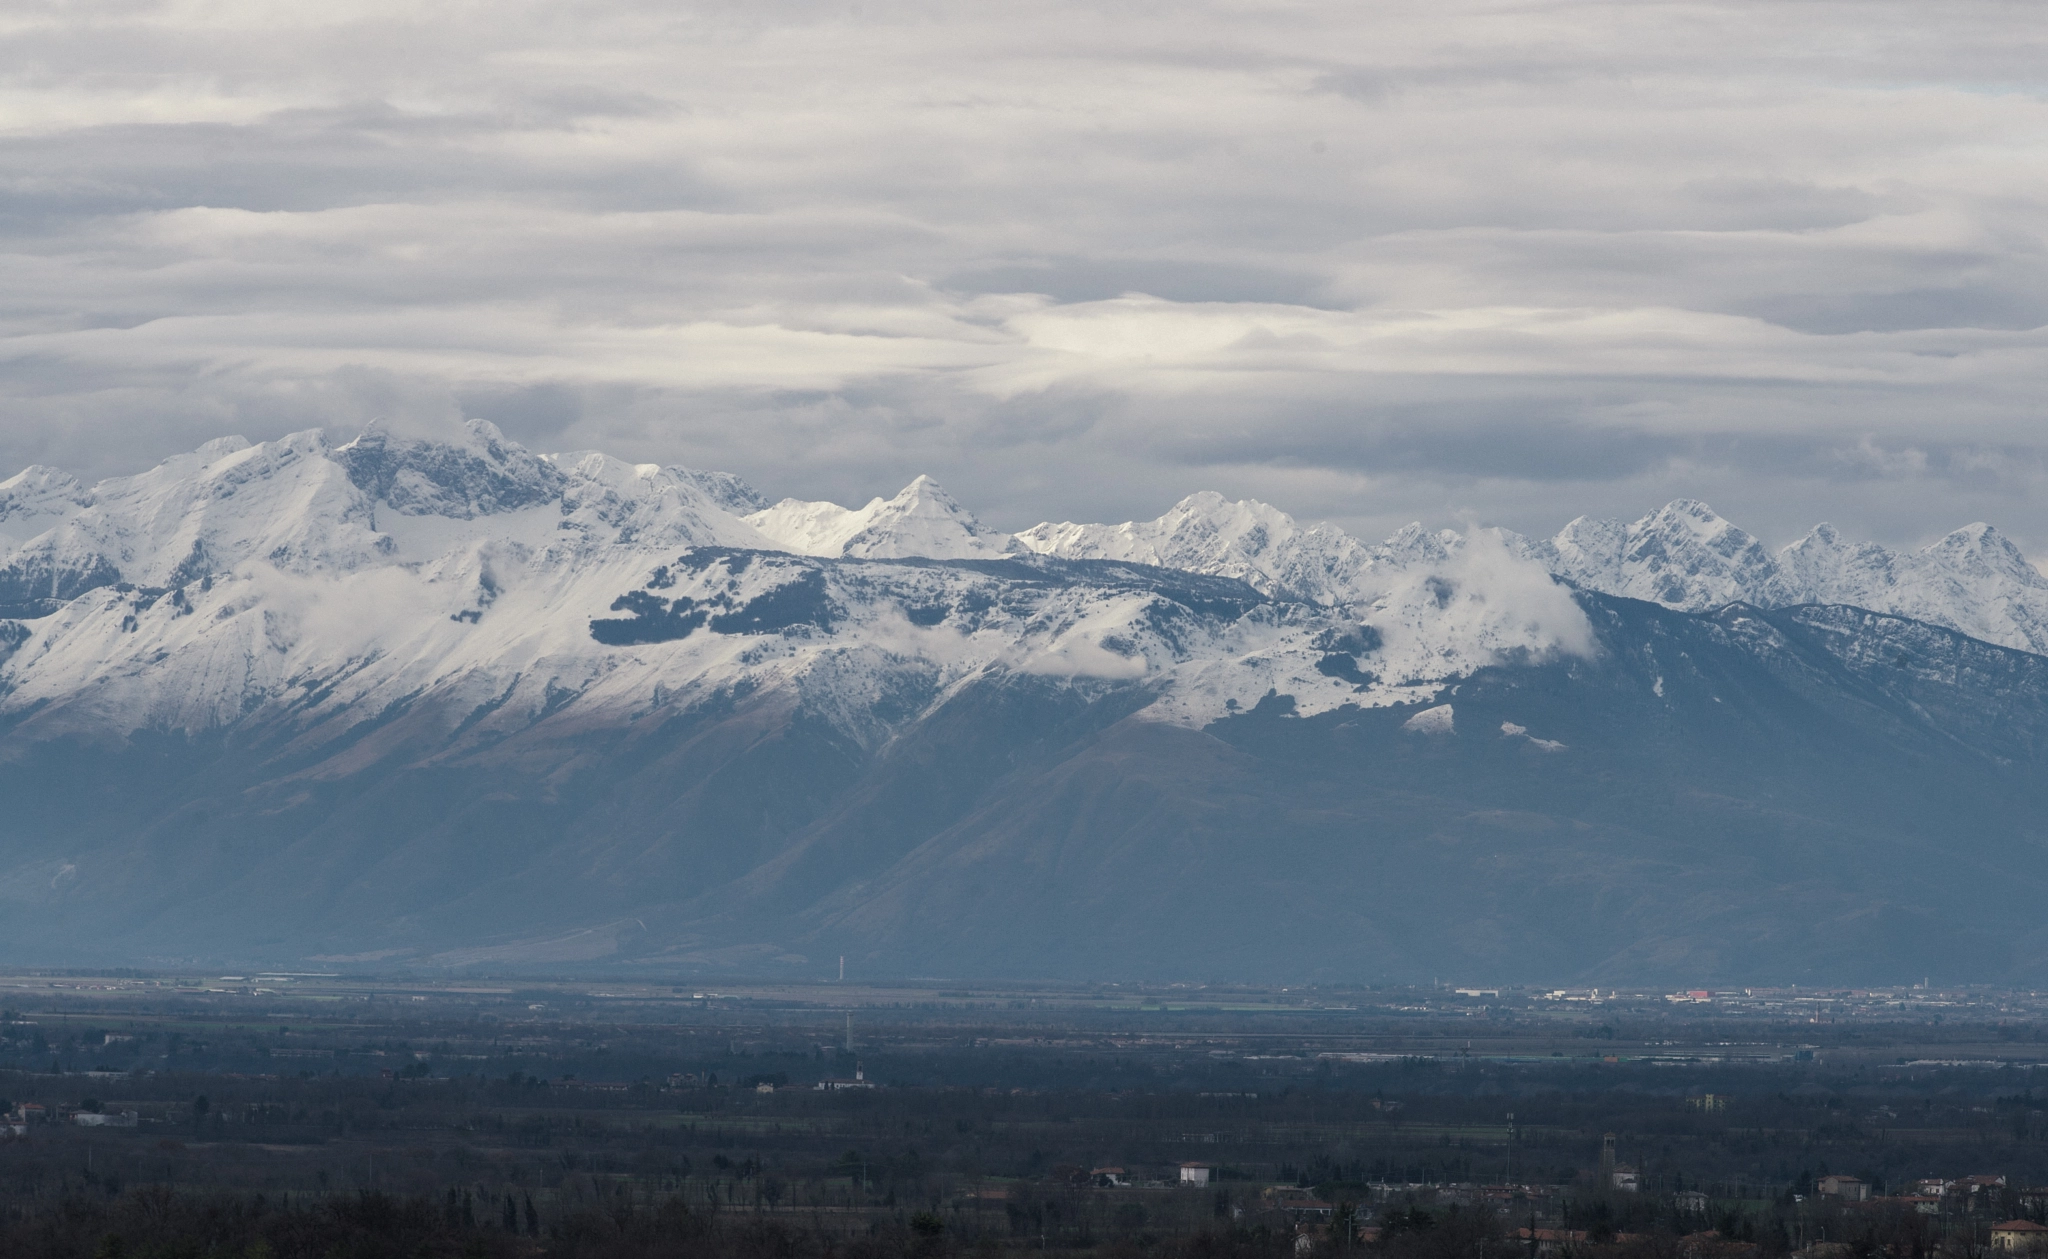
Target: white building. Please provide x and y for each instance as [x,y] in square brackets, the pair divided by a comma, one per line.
[1194,1173]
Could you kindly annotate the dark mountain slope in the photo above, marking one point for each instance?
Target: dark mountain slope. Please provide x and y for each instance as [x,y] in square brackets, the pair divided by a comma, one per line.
[1815,793]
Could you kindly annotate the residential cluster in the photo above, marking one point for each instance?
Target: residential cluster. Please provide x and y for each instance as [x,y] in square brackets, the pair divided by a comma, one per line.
[17,1121]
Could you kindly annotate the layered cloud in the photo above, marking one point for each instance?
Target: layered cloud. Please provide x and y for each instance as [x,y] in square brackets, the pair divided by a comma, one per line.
[1511,260]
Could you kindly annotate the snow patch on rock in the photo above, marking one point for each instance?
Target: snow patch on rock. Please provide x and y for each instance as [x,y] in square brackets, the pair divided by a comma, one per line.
[1435,722]
[1510,730]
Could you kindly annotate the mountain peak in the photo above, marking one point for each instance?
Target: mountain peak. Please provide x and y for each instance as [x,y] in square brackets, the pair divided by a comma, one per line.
[1692,516]
[221,447]
[1206,532]
[1822,535]
[1690,509]
[926,497]
[487,475]
[1682,555]
[922,519]
[38,483]
[1979,550]
[34,501]
[1413,543]
[484,432]
[1685,555]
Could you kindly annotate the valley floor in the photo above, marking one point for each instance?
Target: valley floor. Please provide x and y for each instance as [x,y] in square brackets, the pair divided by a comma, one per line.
[287,1115]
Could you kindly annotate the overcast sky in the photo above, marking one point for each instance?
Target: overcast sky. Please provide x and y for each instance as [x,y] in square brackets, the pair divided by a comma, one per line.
[1371,262]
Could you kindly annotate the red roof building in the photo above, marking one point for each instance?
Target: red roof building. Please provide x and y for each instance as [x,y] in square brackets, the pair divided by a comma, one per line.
[2019,1235]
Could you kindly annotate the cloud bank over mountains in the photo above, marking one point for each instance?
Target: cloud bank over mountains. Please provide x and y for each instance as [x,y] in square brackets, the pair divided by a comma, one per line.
[1425,261]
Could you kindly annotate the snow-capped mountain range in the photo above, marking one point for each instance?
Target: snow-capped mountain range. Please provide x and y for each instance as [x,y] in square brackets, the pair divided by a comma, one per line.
[240,576]
[1682,555]
[458,703]
[233,580]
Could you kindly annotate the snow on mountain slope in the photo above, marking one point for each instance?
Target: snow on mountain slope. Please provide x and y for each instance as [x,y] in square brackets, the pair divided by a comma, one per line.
[1207,533]
[293,580]
[1431,624]
[1973,579]
[1255,543]
[922,520]
[308,506]
[1685,556]
[726,491]
[1831,569]
[224,503]
[611,502]
[36,500]
[33,504]
[262,566]
[508,634]
[1682,555]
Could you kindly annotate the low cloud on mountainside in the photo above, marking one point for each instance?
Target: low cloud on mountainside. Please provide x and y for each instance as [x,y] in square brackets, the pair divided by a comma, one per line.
[1516,261]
